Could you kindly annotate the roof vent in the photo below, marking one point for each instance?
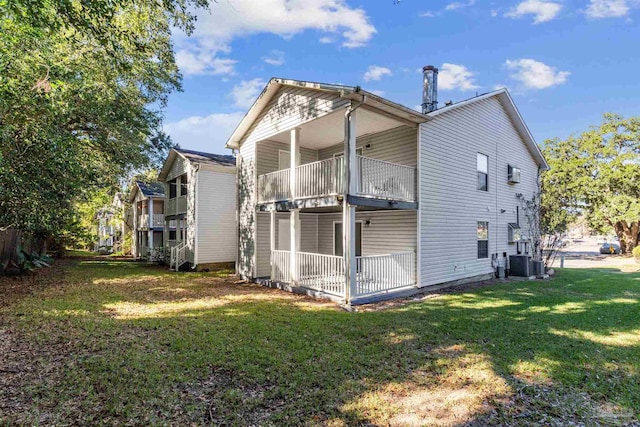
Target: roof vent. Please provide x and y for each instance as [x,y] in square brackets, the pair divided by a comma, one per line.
[429,89]
[447,103]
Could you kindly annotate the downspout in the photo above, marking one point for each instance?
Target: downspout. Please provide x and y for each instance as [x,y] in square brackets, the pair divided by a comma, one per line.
[195,216]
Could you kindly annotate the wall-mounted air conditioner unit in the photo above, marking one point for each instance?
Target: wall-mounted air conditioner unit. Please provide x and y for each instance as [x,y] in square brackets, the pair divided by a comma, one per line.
[514,174]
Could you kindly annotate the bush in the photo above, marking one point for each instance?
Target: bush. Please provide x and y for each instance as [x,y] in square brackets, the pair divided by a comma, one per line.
[636,253]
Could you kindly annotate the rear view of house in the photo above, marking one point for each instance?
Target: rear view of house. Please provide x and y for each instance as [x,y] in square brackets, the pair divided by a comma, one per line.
[200,199]
[352,196]
[147,205]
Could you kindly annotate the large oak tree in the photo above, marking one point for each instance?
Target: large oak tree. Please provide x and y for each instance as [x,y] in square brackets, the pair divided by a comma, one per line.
[598,173]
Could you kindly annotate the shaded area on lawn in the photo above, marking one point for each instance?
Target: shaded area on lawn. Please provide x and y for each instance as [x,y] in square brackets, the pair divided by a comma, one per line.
[121,342]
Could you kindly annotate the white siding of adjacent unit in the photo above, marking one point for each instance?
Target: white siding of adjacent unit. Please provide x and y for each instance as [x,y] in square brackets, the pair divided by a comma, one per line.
[192,227]
[450,204]
[216,217]
[269,152]
[289,108]
[396,145]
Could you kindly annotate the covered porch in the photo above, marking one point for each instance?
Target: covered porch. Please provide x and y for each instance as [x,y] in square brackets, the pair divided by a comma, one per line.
[384,249]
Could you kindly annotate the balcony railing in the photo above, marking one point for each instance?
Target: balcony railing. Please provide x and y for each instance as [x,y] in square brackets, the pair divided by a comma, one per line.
[143,222]
[158,220]
[374,178]
[176,206]
[375,274]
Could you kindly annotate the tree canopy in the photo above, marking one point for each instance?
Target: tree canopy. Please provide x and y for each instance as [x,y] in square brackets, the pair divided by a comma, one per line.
[83,85]
[597,173]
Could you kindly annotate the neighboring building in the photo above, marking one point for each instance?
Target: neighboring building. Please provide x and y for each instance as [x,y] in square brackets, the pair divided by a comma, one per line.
[111,226]
[200,191]
[107,230]
[147,207]
[351,196]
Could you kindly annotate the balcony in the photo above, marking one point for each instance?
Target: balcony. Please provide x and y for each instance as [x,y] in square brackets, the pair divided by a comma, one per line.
[157,220]
[176,206]
[374,179]
[375,274]
[143,222]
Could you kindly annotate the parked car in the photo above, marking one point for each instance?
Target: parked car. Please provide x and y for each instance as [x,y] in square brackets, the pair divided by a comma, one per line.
[610,248]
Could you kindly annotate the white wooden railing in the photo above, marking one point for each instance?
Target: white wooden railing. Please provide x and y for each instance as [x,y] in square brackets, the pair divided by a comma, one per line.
[374,178]
[318,178]
[384,273]
[158,220]
[178,256]
[377,178]
[274,186]
[324,273]
[280,261]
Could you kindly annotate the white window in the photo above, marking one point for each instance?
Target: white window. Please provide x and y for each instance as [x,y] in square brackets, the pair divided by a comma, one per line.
[483,239]
[483,172]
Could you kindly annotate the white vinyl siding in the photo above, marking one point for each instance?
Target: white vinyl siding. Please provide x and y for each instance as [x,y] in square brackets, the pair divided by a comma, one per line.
[216,227]
[388,231]
[289,108]
[397,145]
[450,204]
[269,153]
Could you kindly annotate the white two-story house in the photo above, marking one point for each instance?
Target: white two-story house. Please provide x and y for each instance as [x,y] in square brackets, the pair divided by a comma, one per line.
[147,205]
[349,195]
[200,199]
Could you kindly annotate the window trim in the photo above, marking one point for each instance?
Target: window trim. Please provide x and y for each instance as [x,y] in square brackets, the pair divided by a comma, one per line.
[478,171]
[478,240]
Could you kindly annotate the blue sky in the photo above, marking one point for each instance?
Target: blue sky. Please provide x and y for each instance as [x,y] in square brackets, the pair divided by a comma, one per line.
[565,62]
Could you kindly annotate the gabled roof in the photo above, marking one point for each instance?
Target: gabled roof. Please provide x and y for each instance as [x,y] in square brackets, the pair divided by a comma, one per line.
[153,189]
[197,157]
[346,92]
[513,113]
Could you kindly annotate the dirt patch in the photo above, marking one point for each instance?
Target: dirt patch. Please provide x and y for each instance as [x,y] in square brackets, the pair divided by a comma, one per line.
[226,398]
[14,288]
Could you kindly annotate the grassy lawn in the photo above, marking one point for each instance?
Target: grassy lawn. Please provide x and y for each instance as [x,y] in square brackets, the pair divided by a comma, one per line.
[113,342]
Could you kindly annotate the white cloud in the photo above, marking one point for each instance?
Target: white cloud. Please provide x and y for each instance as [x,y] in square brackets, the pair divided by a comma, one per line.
[203,61]
[207,133]
[225,20]
[326,40]
[245,93]
[454,76]
[459,5]
[541,10]
[375,72]
[276,57]
[607,8]
[428,14]
[534,74]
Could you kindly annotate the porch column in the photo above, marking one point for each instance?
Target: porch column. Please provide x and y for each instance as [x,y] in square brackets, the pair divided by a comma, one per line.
[134,231]
[272,232]
[294,222]
[349,211]
[150,229]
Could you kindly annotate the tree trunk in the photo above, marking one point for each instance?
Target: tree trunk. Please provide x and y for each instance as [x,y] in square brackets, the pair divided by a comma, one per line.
[628,235]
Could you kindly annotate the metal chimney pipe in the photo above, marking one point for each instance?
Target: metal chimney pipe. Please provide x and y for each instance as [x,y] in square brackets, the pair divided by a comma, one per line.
[429,89]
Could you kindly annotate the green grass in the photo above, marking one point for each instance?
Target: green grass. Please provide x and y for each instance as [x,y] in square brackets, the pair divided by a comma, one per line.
[119,342]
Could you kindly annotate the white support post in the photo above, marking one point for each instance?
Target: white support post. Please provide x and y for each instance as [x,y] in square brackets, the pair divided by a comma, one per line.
[134,232]
[294,222]
[272,236]
[349,211]
[149,226]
